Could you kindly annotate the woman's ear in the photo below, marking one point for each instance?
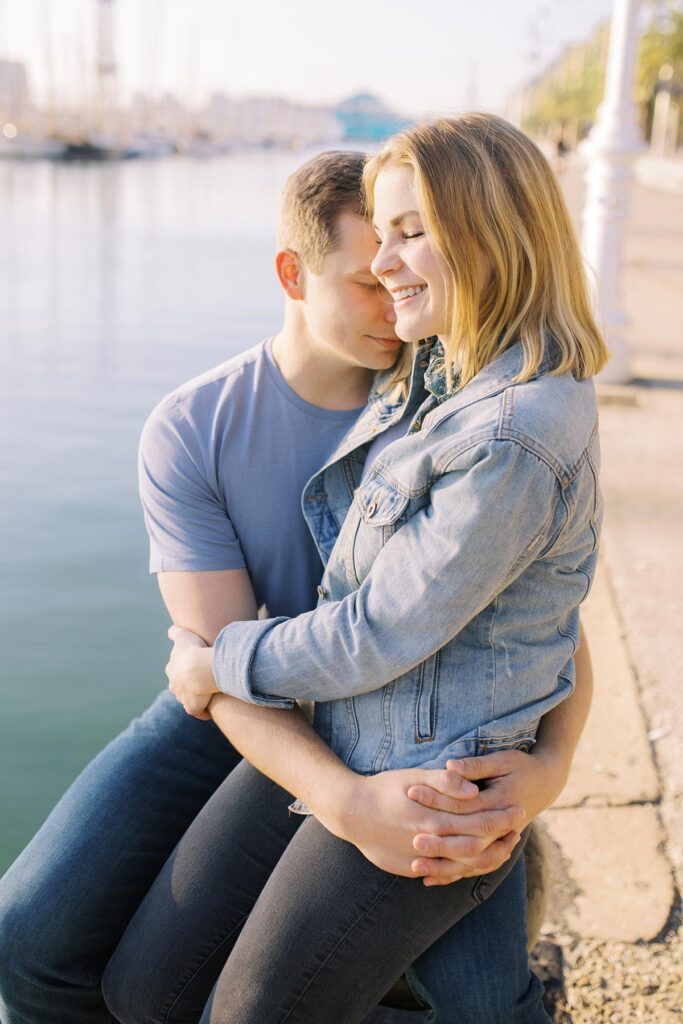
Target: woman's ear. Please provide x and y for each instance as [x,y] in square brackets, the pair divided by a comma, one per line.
[290,273]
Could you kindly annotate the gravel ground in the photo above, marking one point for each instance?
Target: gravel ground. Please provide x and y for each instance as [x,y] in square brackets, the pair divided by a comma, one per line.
[617,982]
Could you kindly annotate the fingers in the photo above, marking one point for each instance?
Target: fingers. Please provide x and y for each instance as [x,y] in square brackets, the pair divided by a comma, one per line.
[203,716]
[483,825]
[444,870]
[195,704]
[487,766]
[429,797]
[178,634]
[195,708]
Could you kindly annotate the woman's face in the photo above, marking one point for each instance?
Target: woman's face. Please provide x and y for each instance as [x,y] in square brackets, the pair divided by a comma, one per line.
[406,264]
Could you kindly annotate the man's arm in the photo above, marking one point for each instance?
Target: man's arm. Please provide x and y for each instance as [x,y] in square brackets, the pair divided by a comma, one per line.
[375,814]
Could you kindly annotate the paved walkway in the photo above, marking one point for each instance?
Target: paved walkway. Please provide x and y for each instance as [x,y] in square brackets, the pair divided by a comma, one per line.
[616,835]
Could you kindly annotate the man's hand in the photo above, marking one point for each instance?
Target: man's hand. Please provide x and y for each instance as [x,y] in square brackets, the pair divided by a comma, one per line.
[509,778]
[190,677]
[382,821]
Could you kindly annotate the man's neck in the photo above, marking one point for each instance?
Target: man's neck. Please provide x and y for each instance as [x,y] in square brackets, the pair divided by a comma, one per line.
[319,380]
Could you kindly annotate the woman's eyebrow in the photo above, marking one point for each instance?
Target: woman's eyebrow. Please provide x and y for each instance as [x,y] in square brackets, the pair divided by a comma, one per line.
[395,221]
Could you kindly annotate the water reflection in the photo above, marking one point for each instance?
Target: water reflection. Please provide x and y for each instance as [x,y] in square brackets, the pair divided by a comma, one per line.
[117,281]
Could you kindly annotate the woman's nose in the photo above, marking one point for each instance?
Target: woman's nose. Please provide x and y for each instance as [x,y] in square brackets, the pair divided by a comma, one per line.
[385,262]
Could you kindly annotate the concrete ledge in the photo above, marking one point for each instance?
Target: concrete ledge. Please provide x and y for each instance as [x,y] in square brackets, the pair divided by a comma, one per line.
[613,763]
[610,879]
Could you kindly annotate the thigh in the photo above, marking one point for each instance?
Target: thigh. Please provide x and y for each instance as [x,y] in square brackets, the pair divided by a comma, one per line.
[478,971]
[69,896]
[181,935]
[330,933]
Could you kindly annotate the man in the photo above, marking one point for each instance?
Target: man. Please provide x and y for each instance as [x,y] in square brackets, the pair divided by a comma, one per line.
[223,463]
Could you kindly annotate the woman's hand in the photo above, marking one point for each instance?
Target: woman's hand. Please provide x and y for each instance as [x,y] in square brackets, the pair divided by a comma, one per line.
[190,677]
[383,822]
[528,781]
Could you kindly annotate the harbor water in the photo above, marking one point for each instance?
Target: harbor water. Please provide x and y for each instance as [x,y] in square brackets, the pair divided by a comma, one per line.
[117,282]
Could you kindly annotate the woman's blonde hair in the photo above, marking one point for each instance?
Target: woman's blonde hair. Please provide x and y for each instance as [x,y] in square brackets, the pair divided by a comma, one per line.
[486,188]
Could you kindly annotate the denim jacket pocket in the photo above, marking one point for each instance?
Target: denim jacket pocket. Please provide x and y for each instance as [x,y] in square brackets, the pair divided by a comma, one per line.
[489,741]
[380,509]
[427,697]
[379,503]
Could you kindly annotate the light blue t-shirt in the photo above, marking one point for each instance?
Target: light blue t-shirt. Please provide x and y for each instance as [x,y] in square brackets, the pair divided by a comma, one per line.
[223,461]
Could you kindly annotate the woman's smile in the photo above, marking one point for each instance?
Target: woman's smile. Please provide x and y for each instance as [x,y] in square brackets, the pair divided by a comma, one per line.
[407,293]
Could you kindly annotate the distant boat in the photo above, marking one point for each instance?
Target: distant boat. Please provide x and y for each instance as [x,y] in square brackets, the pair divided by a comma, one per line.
[97,146]
[25,146]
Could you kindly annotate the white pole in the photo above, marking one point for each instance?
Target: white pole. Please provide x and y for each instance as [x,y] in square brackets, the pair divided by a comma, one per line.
[611,147]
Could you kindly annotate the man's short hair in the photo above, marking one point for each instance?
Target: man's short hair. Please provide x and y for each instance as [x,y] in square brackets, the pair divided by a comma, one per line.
[312,200]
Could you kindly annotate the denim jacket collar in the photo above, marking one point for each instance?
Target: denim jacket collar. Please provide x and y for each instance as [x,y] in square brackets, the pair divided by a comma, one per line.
[495,377]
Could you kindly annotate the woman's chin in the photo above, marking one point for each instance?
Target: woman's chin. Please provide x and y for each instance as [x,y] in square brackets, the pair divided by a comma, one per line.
[412,332]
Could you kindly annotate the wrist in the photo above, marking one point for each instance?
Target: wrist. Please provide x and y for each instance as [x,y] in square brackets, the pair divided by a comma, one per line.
[336,805]
[209,681]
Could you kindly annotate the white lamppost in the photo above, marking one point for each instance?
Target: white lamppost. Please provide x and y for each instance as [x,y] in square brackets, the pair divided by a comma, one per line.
[611,147]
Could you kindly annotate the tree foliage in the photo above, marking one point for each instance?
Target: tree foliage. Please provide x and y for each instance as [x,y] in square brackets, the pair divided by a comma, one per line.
[564,100]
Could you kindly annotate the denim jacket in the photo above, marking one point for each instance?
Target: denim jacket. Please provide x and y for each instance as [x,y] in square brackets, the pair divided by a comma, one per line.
[448,612]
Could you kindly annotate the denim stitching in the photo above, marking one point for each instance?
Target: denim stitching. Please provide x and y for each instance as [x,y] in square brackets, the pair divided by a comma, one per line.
[165,1014]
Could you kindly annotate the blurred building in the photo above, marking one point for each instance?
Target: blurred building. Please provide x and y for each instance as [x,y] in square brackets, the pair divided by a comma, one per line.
[366,119]
[15,93]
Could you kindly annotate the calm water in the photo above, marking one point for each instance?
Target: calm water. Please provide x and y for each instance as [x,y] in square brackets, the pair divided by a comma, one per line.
[116,283]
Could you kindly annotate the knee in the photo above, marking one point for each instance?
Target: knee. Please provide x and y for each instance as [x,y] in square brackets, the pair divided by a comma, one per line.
[21,963]
[130,988]
[121,995]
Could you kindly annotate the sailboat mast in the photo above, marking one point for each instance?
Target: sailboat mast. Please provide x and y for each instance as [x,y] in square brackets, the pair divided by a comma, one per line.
[106,67]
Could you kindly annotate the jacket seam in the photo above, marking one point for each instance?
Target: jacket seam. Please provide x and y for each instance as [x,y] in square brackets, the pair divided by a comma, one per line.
[449,458]
[493,653]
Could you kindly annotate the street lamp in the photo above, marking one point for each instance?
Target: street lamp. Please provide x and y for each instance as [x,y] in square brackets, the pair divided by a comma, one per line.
[611,147]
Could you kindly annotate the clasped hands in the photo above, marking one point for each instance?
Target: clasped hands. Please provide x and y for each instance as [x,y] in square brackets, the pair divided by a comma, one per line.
[437,824]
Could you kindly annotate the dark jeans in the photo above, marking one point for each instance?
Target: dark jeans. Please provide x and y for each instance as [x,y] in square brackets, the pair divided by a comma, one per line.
[301,928]
[69,897]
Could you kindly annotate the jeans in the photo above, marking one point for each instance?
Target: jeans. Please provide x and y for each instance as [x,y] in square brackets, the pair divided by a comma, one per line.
[299,927]
[69,897]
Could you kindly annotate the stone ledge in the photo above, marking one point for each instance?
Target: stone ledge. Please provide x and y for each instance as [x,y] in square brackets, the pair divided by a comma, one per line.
[609,877]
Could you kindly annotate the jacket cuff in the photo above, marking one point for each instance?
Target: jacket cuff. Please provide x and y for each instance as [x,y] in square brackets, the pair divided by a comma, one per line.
[232,658]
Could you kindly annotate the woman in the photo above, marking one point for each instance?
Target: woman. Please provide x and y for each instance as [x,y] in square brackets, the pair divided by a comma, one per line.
[448,617]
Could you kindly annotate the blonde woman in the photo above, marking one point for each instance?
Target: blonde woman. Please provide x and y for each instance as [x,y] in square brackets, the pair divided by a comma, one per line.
[448,614]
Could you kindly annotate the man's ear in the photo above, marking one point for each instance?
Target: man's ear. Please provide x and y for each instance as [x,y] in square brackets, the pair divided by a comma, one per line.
[291,273]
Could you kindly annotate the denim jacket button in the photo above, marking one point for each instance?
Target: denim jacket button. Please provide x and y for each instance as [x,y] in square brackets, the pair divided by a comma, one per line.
[322,593]
[372,508]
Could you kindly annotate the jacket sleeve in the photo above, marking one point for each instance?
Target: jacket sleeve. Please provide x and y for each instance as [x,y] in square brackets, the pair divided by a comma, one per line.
[489,516]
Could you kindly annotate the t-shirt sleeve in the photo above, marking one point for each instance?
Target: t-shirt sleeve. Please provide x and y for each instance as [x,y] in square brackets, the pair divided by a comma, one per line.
[185,514]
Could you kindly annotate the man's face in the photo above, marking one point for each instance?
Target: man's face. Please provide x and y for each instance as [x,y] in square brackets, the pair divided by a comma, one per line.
[349,316]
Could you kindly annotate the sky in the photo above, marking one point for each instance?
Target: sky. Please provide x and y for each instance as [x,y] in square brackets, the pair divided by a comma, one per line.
[441,55]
